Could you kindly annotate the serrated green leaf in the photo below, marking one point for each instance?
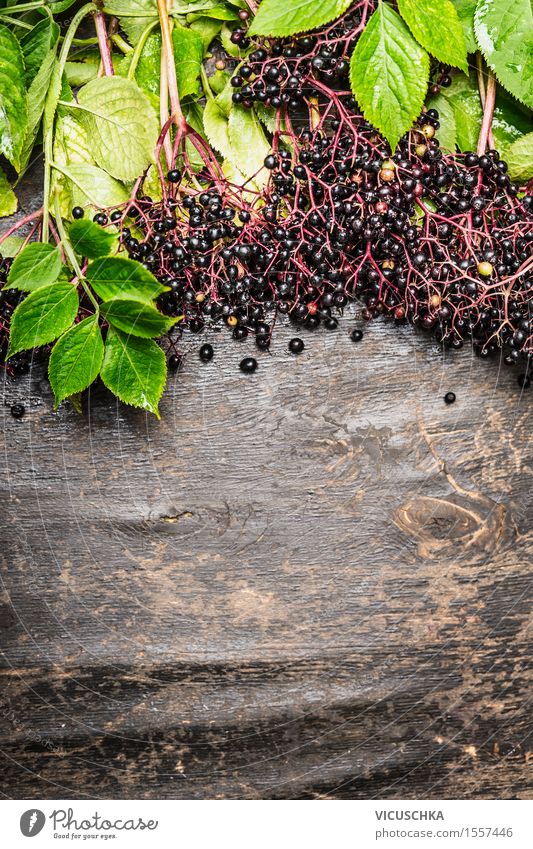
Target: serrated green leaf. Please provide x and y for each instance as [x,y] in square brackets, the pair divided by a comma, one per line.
[76,359]
[89,184]
[122,125]
[216,128]
[436,26]
[135,316]
[134,369]
[35,266]
[13,101]
[519,157]
[465,10]
[90,240]
[43,316]
[120,277]
[36,45]
[277,18]
[504,32]
[267,116]
[447,132]
[230,48]
[38,93]
[188,55]
[389,73]
[8,198]
[248,144]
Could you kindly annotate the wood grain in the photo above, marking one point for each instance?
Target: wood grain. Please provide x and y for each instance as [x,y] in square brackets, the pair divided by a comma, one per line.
[313,582]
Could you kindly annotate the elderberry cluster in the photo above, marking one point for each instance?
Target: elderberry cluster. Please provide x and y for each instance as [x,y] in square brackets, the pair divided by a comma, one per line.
[439,241]
[288,71]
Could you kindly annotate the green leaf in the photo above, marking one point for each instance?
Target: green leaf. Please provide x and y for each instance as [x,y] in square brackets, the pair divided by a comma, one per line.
[8,199]
[389,74]
[135,16]
[207,29]
[36,265]
[217,128]
[76,359]
[122,126]
[89,184]
[90,240]
[248,144]
[277,18]
[36,45]
[447,132]
[188,54]
[504,32]
[219,80]
[120,277]
[80,73]
[11,245]
[134,369]
[43,316]
[510,120]
[38,93]
[148,67]
[436,26]
[13,103]
[135,316]
[465,10]
[519,157]
[229,47]
[218,12]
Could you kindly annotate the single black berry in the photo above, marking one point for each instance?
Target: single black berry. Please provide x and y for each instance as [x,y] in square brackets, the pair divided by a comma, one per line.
[100,218]
[18,410]
[173,176]
[174,362]
[78,212]
[357,335]
[206,353]
[450,397]
[296,346]
[248,365]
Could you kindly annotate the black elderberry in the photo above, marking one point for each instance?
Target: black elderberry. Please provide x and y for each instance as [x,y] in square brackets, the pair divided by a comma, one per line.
[356,335]
[248,365]
[449,398]
[206,353]
[18,410]
[296,345]
[174,362]
[78,212]
[173,176]
[240,332]
[271,162]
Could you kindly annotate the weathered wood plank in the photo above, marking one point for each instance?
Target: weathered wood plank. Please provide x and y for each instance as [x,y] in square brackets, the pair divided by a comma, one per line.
[314,581]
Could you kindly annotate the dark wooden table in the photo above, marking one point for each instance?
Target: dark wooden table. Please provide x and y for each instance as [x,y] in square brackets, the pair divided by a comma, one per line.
[313,582]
